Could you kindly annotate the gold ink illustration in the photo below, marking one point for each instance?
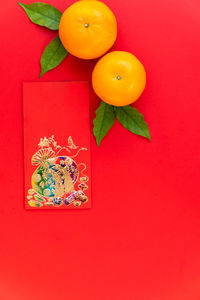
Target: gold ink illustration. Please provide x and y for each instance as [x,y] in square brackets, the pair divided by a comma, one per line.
[53,181]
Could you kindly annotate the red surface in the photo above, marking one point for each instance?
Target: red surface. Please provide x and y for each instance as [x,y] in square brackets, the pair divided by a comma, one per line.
[141,239]
[45,113]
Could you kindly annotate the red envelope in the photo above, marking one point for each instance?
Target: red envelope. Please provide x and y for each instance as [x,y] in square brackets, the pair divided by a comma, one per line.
[56,145]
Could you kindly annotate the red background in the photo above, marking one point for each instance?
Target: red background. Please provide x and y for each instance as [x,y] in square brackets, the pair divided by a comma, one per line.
[141,239]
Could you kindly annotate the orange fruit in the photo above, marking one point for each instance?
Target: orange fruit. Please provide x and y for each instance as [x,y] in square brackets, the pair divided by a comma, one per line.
[119,78]
[88,29]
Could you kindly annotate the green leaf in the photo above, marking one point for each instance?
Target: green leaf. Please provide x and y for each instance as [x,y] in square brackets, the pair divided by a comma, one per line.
[43,14]
[132,120]
[52,56]
[105,118]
